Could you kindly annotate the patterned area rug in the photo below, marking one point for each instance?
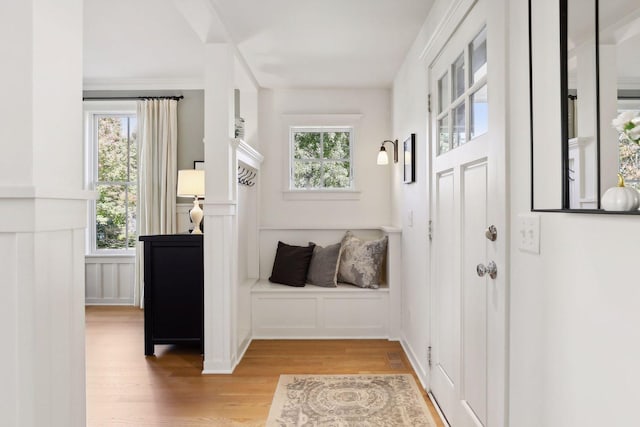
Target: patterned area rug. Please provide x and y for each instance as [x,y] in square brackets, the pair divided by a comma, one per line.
[348,401]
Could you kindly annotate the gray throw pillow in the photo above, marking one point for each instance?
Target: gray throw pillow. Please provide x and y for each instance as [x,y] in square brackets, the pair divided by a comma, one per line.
[361,261]
[323,268]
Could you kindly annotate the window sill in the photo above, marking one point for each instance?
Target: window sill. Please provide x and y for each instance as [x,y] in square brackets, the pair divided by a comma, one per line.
[321,195]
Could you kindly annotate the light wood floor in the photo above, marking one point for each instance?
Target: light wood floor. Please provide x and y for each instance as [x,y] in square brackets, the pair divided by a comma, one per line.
[125,388]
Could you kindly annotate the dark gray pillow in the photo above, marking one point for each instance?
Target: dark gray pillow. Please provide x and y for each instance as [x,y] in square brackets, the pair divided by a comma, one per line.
[361,261]
[291,264]
[323,268]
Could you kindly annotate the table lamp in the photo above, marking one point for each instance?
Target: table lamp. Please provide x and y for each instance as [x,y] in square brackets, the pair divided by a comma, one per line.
[191,184]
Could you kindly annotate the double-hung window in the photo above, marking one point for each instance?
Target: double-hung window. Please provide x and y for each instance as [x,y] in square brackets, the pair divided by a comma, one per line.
[321,158]
[112,171]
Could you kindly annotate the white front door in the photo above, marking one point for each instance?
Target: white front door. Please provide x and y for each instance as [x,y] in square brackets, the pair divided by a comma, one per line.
[468,311]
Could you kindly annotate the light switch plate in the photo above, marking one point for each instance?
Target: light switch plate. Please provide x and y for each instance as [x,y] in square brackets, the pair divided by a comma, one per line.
[529,233]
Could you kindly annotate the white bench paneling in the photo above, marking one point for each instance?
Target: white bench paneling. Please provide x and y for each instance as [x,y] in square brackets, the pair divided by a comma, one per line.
[281,311]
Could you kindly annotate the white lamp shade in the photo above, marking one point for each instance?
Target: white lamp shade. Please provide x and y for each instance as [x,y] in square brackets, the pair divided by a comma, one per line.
[383,159]
[190,183]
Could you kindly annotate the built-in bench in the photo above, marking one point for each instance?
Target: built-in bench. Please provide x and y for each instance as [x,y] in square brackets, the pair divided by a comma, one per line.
[280,311]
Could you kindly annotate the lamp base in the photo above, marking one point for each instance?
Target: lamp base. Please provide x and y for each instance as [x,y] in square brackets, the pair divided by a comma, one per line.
[196,216]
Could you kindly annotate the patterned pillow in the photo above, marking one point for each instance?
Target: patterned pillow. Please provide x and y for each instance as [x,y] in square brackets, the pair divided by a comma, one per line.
[323,268]
[291,264]
[361,261]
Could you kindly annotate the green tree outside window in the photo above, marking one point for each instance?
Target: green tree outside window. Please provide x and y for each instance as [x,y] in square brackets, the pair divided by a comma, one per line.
[116,183]
[321,158]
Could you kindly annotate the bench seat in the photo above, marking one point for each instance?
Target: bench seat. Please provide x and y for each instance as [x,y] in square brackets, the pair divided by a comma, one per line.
[313,312]
[280,311]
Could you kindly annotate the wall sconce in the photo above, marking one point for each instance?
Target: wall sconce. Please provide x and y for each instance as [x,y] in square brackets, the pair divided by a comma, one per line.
[191,184]
[383,158]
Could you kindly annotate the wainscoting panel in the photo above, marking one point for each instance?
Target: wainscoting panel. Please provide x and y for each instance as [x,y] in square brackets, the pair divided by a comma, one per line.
[109,280]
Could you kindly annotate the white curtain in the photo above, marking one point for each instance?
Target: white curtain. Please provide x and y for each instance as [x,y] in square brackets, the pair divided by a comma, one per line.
[157,175]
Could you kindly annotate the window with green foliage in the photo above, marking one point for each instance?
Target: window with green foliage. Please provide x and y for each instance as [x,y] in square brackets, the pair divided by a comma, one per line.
[321,158]
[115,175]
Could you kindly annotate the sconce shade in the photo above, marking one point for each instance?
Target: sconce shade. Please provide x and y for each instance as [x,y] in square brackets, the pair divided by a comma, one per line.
[383,158]
[190,183]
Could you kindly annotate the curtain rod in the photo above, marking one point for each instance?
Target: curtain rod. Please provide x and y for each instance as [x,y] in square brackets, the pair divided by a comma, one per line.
[129,98]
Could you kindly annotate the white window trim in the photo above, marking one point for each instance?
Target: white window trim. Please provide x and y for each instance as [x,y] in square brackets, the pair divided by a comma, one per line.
[320,121]
[90,110]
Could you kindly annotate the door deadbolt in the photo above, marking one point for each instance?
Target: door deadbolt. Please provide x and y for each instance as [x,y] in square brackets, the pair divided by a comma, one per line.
[491,233]
[491,269]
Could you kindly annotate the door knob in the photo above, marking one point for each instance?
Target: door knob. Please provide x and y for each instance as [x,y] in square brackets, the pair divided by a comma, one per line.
[491,269]
[491,233]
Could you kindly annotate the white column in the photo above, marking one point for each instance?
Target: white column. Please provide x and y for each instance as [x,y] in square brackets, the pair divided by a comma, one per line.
[220,212]
[42,214]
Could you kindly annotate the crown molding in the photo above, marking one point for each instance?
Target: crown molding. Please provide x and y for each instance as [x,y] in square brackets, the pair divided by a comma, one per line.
[144,84]
[456,12]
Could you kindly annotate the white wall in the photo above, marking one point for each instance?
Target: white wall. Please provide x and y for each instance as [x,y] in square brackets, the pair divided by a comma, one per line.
[411,201]
[410,116]
[575,340]
[574,336]
[373,208]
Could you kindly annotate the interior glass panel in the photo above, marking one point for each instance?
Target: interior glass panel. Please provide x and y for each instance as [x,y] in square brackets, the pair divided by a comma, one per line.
[582,99]
[479,120]
[458,77]
[443,135]
[443,93]
[619,51]
[478,49]
[459,128]
[577,150]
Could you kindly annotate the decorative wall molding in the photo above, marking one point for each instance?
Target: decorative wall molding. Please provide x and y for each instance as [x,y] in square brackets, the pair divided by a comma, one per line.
[31,214]
[39,192]
[446,26]
[143,84]
[321,194]
[246,153]
[220,209]
[109,280]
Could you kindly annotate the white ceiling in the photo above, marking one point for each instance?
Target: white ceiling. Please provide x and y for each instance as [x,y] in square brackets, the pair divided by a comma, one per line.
[286,43]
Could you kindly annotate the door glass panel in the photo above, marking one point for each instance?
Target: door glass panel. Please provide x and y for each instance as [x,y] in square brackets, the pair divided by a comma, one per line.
[459,134]
[443,93]
[443,135]
[479,120]
[478,49]
[458,77]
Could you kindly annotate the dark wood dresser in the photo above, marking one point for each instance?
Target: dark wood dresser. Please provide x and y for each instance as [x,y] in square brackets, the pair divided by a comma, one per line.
[173,290]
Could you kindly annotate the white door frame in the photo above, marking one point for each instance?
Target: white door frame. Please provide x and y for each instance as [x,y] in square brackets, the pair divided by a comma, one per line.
[497,52]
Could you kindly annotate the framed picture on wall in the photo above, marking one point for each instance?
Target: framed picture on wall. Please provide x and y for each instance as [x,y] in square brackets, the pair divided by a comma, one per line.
[198,164]
[410,159]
